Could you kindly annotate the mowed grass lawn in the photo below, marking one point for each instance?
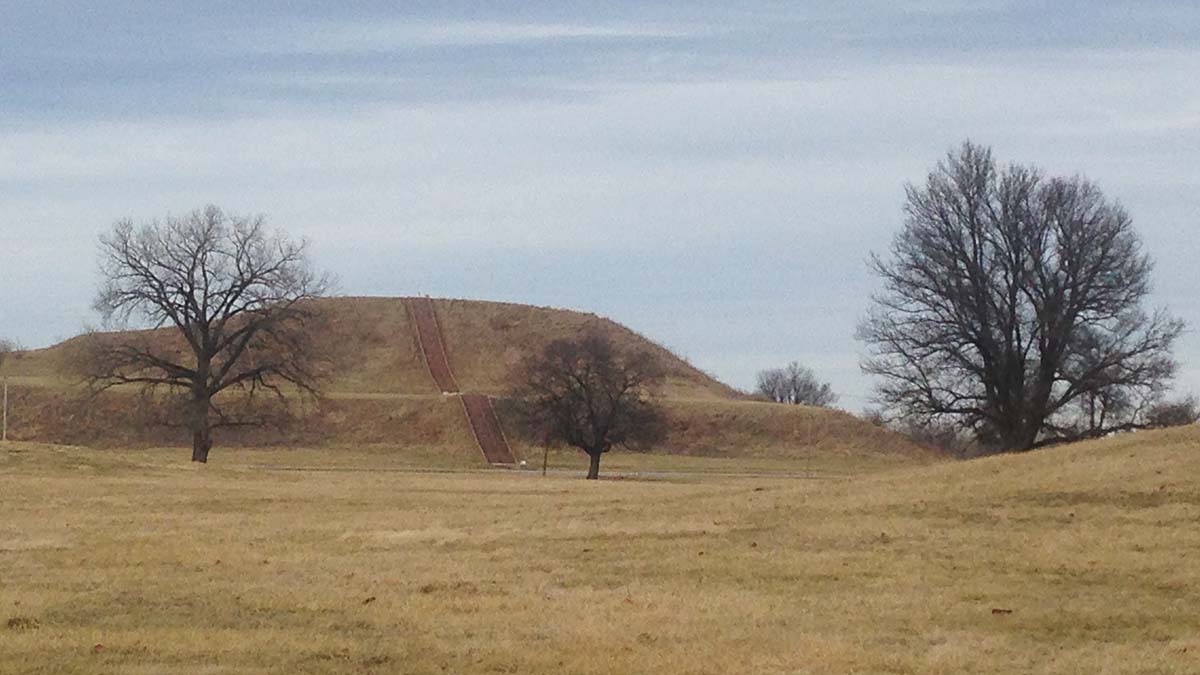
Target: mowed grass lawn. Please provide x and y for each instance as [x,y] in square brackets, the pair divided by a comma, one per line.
[1074,560]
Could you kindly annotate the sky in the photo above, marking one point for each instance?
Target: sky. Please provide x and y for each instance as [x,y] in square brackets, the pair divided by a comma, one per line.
[712,174]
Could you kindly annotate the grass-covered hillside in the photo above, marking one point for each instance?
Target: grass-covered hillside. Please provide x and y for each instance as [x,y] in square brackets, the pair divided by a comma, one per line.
[381,394]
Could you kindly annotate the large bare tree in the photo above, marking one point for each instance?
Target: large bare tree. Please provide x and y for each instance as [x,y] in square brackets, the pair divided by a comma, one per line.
[795,384]
[238,298]
[1012,305]
[590,394]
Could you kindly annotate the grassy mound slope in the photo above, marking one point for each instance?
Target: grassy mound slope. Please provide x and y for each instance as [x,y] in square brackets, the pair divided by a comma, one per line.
[382,394]
[375,346]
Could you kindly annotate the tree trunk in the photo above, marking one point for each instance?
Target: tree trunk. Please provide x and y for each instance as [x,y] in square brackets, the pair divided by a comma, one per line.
[593,466]
[1025,437]
[201,433]
[201,444]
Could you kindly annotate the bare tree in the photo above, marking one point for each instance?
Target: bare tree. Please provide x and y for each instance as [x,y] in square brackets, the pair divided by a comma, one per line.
[1012,306]
[6,347]
[237,296]
[590,394]
[795,384]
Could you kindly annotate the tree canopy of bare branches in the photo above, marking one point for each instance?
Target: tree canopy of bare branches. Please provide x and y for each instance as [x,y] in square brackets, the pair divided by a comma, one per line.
[590,394]
[795,384]
[1012,305]
[237,296]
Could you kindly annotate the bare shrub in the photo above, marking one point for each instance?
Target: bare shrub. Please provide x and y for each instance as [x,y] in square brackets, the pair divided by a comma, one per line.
[1176,413]
[795,384]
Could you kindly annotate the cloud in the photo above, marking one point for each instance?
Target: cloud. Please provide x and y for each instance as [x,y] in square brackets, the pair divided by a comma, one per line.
[713,174]
[340,36]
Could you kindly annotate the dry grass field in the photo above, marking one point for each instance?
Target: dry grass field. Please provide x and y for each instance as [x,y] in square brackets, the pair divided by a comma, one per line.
[1079,559]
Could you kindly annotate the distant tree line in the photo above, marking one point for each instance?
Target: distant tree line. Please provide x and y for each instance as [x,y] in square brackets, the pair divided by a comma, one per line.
[795,384]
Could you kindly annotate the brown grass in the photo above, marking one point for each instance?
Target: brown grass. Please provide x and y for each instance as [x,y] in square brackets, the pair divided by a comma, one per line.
[750,435]
[486,339]
[374,345]
[1069,560]
[759,429]
[125,419]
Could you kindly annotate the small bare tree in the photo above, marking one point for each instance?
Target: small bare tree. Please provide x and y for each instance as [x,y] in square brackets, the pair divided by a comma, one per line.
[589,394]
[1175,413]
[1012,307]
[238,297]
[795,384]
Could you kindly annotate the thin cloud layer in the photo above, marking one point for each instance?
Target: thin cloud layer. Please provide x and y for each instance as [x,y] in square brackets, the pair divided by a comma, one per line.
[712,175]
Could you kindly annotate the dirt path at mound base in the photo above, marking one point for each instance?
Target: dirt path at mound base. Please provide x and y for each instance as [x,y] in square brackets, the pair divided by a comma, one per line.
[481,416]
[429,337]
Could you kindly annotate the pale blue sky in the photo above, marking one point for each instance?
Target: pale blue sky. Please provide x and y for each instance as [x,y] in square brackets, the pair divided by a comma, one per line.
[712,176]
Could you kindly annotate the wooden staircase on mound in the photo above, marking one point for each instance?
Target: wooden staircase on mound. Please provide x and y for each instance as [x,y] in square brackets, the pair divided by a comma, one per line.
[478,409]
[429,339]
[481,415]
